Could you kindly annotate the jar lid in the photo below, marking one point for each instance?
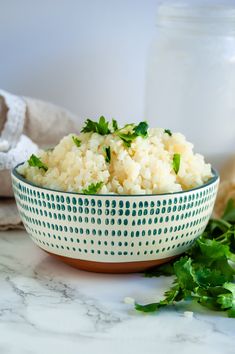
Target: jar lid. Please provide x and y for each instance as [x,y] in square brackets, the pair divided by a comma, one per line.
[220,13]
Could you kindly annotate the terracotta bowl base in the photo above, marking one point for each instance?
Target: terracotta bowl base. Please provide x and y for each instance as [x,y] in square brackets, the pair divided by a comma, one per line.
[103,267]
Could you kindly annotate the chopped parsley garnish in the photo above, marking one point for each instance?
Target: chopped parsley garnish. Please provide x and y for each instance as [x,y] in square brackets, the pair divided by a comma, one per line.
[136,130]
[167,131]
[141,129]
[89,126]
[101,127]
[204,274]
[35,161]
[128,133]
[176,163]
[114,125]
[76,141]
[93,188]
[107,151]
[127,138]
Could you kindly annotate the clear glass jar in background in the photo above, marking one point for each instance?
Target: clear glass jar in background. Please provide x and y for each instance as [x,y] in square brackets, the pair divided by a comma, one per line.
[191,75]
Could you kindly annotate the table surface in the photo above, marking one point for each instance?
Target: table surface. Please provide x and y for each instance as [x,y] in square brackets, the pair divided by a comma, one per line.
[49,307]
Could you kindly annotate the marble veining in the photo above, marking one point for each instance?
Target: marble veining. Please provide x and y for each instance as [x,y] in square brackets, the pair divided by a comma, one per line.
[49,307]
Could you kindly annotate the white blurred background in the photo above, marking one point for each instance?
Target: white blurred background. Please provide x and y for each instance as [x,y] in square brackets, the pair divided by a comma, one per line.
[86,55]
[91,57]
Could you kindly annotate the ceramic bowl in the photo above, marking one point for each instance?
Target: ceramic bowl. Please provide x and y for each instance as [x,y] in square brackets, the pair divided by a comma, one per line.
[113,233]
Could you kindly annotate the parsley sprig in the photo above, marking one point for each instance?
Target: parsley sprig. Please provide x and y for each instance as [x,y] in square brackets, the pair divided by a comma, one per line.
[76,141]
[131,131]
[168,131]
[35,161]
[107,151]
[176,163]
[101,127]
[204,274]
[93,188]
[127,134]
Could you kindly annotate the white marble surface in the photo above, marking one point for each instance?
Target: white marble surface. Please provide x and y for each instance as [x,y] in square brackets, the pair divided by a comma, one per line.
[48,307]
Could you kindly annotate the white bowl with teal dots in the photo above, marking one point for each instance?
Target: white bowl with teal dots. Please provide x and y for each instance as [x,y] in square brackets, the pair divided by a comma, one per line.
[114,233]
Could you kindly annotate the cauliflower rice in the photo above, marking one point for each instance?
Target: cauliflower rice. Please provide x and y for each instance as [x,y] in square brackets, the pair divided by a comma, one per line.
[143,168]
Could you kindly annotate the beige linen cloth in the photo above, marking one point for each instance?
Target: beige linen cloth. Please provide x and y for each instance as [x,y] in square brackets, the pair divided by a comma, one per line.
[26,124]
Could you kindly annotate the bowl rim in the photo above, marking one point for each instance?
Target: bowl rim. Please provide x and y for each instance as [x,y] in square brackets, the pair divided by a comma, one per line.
[211,181]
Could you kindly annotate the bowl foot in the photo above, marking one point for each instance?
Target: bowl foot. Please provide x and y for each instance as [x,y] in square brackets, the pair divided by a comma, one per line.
[113,268]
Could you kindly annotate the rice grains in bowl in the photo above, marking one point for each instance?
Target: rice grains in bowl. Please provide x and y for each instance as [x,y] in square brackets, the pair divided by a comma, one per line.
[116,200]
[154,161]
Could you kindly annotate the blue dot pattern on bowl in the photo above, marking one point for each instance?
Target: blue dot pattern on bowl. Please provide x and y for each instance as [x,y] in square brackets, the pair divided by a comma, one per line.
[114,228]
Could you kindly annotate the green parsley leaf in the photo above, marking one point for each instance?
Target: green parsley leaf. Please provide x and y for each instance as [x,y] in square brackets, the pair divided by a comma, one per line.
[173,294]
[176,163]
[101,127]
[185,273]
[93,188]
[35,161]
[225,300]
[89,126]
[130,132]
[231,312]
[108,154]
[230,287]
[148,308]
[127,138]
[141,129]
[114,125]
[212,249]
[204,274]
[167,131]
[76,141]
[127,134]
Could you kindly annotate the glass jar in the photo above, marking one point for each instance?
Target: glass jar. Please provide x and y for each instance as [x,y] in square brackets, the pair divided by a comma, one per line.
[191,75]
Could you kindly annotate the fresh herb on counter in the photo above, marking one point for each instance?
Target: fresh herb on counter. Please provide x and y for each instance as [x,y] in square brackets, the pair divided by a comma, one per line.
[204,274]
[35,161]
[107,151]
[76,141]
[167,131]
[93,188]
[176,163]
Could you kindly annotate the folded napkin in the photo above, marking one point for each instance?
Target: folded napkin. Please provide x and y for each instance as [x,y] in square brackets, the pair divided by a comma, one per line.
[26,124]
